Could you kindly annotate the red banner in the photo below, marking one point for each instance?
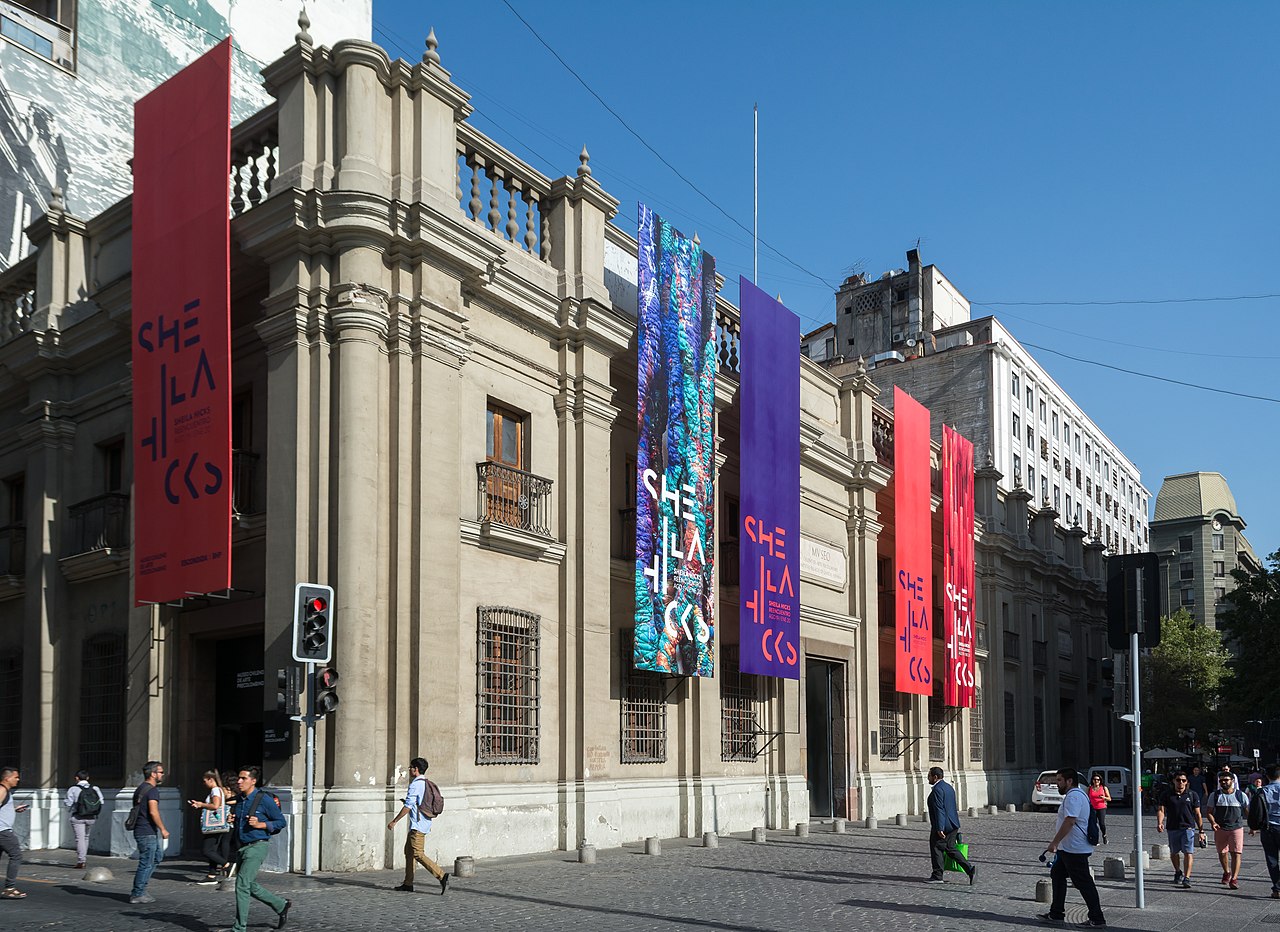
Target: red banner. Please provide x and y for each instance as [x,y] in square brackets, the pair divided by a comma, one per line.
[957,566]
[913,545]
[182,333]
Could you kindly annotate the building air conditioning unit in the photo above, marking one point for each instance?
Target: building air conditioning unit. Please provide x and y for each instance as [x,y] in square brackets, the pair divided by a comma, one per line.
[899,336]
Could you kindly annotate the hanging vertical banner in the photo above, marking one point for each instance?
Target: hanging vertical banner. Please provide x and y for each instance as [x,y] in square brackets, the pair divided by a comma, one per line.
[675,457]
[182,333]
[913,547]
[769,538]
[957,566]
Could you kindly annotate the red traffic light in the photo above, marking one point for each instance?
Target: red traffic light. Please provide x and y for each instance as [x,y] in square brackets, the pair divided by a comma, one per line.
[317,604]
[327,678]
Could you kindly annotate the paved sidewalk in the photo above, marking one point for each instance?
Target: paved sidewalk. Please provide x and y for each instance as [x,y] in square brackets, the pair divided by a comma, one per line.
[862,880]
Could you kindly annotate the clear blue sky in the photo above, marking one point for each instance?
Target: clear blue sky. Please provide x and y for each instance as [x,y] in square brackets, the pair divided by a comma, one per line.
[1040,153]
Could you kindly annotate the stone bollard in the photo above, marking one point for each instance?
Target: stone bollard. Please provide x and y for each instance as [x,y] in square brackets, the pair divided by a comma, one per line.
[972,812]
[992,809]
[839,826]
[1028,807]
[872,822]
[586,853]
[653,845]
[758,835]
[1012,807]
[464,866]
[924,817]
[1044,891]
[802,829]
[1113,868]
[710,840]
[98,875]
[1159,852]
[1133,861]
[900,819]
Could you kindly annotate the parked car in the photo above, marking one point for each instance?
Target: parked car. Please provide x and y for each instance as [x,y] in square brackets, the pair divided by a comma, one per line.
[1045,795]
[1118,780]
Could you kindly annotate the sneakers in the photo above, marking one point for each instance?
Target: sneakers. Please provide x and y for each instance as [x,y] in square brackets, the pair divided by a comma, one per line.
[973,873]
[207,881]
[140,900]
[1275,894]
[1233,884]
[1096,924]
[1050,917]
[79,866]
[444,884]
[1226,876]
[1177,877]
[1186,883]
[284,914]
[935,880]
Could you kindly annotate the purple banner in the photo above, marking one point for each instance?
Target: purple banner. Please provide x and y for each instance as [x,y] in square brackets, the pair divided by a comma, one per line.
[769,554]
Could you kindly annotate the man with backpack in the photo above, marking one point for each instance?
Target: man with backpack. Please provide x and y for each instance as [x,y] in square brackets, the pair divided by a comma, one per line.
[422,803]
[1264,819]
[1226,809]
[84,803]
[1072,846]
[257,819]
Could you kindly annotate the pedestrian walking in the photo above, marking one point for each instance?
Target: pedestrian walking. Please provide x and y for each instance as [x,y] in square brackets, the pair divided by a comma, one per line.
[1099,799]
[1196,781]
[215,827]
[1179,812]
[148,829]
[257,819]
[419,827]
[9,807]
[1227,809]
[944,829]
[1071,849]
[84,805]
[1271,831]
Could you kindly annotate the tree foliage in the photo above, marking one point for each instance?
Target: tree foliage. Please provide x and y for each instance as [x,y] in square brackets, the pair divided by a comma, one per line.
[1182,681]
[1252,629]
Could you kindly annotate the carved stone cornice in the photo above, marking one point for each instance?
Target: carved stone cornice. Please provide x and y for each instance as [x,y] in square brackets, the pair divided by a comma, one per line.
[48,433]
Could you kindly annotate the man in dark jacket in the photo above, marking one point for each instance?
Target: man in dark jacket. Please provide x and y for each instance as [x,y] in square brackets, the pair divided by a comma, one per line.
[944,827]
[257,819]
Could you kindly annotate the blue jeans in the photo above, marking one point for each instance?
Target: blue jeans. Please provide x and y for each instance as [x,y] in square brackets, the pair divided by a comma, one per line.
[148,860]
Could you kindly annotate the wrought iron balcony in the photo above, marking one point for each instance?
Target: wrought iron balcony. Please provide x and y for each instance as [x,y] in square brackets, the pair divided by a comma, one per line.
[728,558]
[13,550]
[99,523]
[1012,645]
[1040,654]
[514,498]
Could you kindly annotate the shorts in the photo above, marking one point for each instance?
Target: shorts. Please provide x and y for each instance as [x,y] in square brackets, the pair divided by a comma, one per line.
[1228,840]
[1182,840]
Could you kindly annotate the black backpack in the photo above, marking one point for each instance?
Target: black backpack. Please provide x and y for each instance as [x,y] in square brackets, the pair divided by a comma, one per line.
[1257,811]
[88,805]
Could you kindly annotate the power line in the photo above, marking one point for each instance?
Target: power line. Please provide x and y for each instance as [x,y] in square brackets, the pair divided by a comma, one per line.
[1238,297]
[1148,375]
[644,142]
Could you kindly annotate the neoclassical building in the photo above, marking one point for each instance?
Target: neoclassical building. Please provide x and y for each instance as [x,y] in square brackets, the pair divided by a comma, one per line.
[434,372]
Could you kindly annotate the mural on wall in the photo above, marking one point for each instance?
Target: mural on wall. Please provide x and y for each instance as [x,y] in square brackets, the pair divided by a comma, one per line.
[69,124]
[769,536]
[675,458]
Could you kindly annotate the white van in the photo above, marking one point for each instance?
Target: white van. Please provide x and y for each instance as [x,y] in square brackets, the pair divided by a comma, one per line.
[1118,780]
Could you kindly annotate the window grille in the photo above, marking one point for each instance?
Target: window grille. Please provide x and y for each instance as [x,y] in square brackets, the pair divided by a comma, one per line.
[10,706]
[937,727]
[739,713]
[644,712]
[1037,722]
[890,730]
[976,727]
[103,685]
[1010,729]
[507,687]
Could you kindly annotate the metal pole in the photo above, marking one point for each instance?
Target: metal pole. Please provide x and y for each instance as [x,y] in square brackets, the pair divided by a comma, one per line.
[309,828]
[1136,776]
[755,198]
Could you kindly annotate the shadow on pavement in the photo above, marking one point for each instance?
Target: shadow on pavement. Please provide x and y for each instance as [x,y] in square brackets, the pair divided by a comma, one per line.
[90,891]
[645,919]
[946,912]
[180,920]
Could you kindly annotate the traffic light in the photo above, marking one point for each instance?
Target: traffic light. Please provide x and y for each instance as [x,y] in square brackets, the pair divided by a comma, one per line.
[287,690]
[1108,692]
[313,623]
[326,693]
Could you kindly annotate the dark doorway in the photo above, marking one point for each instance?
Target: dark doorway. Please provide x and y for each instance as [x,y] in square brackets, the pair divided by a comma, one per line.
[827,730]
[238,702]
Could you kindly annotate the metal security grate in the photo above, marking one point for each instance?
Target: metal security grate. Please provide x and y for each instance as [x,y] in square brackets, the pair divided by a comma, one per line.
[103,686]
[1037,722]
[507,686]
[1010,729]
[976,726]
[890,730]
[10,706]
[644,713]
[937,729]
[739,715]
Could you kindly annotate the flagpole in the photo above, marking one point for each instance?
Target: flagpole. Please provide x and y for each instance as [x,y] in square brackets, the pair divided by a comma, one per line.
[755,197]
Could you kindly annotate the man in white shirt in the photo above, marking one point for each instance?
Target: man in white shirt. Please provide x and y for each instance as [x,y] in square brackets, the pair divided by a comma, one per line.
[1072,849]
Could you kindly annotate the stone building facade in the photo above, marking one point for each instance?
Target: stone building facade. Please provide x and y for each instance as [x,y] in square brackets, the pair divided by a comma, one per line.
[433,361]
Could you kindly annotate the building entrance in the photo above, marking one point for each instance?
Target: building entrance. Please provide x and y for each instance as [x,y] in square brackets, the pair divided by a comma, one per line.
[238,685]
[827,738]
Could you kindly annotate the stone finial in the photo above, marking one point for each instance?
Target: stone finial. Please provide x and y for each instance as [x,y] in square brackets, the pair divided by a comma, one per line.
[778,297]
[861,369]
[584,163]
[431,56]
[991,463]
[1017,480]
[304,23]
[56,202]
[696,240]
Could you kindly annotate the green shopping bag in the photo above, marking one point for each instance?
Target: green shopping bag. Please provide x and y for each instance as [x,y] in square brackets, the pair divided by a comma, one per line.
[950,863]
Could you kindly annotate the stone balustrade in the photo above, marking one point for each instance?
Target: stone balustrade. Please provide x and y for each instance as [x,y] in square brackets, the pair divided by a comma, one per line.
[503,194]
[255,155]
[17,298]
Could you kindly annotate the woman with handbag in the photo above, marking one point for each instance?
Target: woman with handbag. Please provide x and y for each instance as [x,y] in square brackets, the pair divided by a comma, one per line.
[214,827]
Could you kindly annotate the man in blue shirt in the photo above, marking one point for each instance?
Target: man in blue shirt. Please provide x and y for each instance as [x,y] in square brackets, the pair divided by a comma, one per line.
[1271,832]
[257,819]
[419,826]
[944,828]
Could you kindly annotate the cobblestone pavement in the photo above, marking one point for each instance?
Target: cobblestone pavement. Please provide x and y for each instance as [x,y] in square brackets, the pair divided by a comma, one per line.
[860,880]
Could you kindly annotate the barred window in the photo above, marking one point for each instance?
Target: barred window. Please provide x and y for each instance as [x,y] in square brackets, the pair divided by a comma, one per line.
[739,715]
[103,685]
[937,725]
[890,730]
[1037,722]
[507,688]
[976,726]
[10,707]
[1010,729]
[644,712]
